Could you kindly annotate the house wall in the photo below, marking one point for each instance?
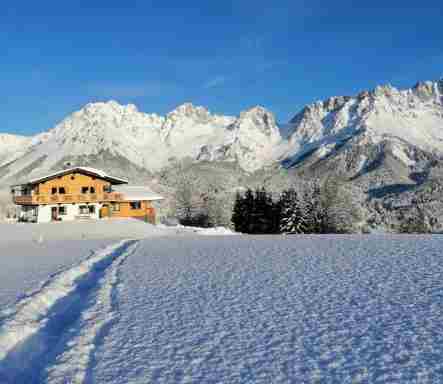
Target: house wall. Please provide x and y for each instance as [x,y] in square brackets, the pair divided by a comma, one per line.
[44,213]
[72,212]
[145,212]
[72,183]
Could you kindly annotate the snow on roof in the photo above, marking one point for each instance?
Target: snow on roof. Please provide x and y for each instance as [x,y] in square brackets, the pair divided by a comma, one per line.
[89,170]
[137,193]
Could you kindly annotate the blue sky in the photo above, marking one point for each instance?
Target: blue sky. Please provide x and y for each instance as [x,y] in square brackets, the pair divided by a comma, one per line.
[226,55]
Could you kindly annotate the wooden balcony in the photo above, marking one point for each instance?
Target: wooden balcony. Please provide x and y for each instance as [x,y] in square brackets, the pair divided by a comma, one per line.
[67,198]
[23,200]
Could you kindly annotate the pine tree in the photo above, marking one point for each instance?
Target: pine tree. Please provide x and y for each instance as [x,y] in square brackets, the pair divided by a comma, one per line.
[294,217]
[341,214]
[258,218]
[275,212]
[238,213]
[287,204]
[242,212]
[314,208]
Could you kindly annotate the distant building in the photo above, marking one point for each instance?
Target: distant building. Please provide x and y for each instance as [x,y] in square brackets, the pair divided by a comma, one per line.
[82,193]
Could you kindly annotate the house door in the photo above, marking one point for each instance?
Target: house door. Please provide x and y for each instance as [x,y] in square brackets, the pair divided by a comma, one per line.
[104,211]
[54,214]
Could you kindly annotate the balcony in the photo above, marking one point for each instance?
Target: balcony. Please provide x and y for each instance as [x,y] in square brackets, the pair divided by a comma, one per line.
[23,200]
[67,198]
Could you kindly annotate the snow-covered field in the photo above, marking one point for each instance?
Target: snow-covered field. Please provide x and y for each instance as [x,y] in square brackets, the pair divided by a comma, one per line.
[228,309]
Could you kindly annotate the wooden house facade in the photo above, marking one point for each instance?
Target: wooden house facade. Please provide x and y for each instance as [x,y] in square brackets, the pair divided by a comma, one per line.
[82,193]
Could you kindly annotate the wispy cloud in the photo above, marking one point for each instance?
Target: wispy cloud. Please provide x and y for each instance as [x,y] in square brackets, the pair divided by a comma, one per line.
[217,81]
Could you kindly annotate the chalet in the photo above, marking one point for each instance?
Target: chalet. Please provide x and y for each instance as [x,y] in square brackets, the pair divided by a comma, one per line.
[82,193]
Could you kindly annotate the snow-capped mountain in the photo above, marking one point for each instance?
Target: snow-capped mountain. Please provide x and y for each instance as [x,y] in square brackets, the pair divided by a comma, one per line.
[110,131]
[407,117]
[355,130]
[387,142]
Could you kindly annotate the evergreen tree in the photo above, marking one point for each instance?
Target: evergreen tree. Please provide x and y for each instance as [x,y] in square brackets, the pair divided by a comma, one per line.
[288,205]
[260,212]
[341,214]
[314,209]
[256,213]
[275,213]
[242,212]
[239,213]
[295,212]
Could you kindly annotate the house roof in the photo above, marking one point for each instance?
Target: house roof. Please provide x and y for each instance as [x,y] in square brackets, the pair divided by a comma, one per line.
[85,170]
[137,193]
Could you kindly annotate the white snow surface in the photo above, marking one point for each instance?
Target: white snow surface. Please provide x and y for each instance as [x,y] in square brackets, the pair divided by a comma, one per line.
[261,309]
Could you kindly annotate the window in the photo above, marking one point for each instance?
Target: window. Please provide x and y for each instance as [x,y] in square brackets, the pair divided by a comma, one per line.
[107,188]
[83,210]
[116,207]
[62,210]
[53,190]
[62,190]
[85,189]
[92,190]
[72,177]
[135,204]
[92,209]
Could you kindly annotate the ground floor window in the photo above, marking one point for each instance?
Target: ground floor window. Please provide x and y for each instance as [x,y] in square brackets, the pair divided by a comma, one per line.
[62,211]
[86,209]
[116,207]
[135,204]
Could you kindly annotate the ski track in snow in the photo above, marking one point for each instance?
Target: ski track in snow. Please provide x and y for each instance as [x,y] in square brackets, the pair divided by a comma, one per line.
[235,309]
[278,310]
[50,335]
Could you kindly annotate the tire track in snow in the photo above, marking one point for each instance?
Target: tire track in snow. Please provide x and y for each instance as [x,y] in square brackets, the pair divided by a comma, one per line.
[52,333]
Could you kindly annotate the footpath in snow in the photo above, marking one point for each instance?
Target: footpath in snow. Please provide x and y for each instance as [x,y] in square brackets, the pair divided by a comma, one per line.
[50,335]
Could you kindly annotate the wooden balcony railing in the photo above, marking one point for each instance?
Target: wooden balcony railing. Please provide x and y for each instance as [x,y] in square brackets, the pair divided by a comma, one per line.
[22,200]
[65,198]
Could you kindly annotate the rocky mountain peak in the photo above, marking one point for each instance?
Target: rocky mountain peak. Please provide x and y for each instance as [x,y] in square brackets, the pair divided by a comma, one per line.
[259,119]
[428,89]
[335,103]
[386,90]
[191,111]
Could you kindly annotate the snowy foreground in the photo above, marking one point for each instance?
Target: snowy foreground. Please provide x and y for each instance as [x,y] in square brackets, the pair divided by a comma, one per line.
[176,307]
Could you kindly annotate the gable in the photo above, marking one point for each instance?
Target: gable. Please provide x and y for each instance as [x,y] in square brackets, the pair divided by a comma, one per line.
[95,173]
[72,183]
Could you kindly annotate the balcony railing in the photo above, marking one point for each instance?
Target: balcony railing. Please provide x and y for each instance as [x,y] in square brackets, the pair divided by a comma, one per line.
[67,198]
[24,199]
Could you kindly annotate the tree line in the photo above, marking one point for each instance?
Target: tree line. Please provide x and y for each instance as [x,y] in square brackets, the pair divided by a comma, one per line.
[326,208]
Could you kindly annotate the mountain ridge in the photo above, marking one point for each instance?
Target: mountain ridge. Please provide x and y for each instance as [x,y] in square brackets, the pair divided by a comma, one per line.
[252,139]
